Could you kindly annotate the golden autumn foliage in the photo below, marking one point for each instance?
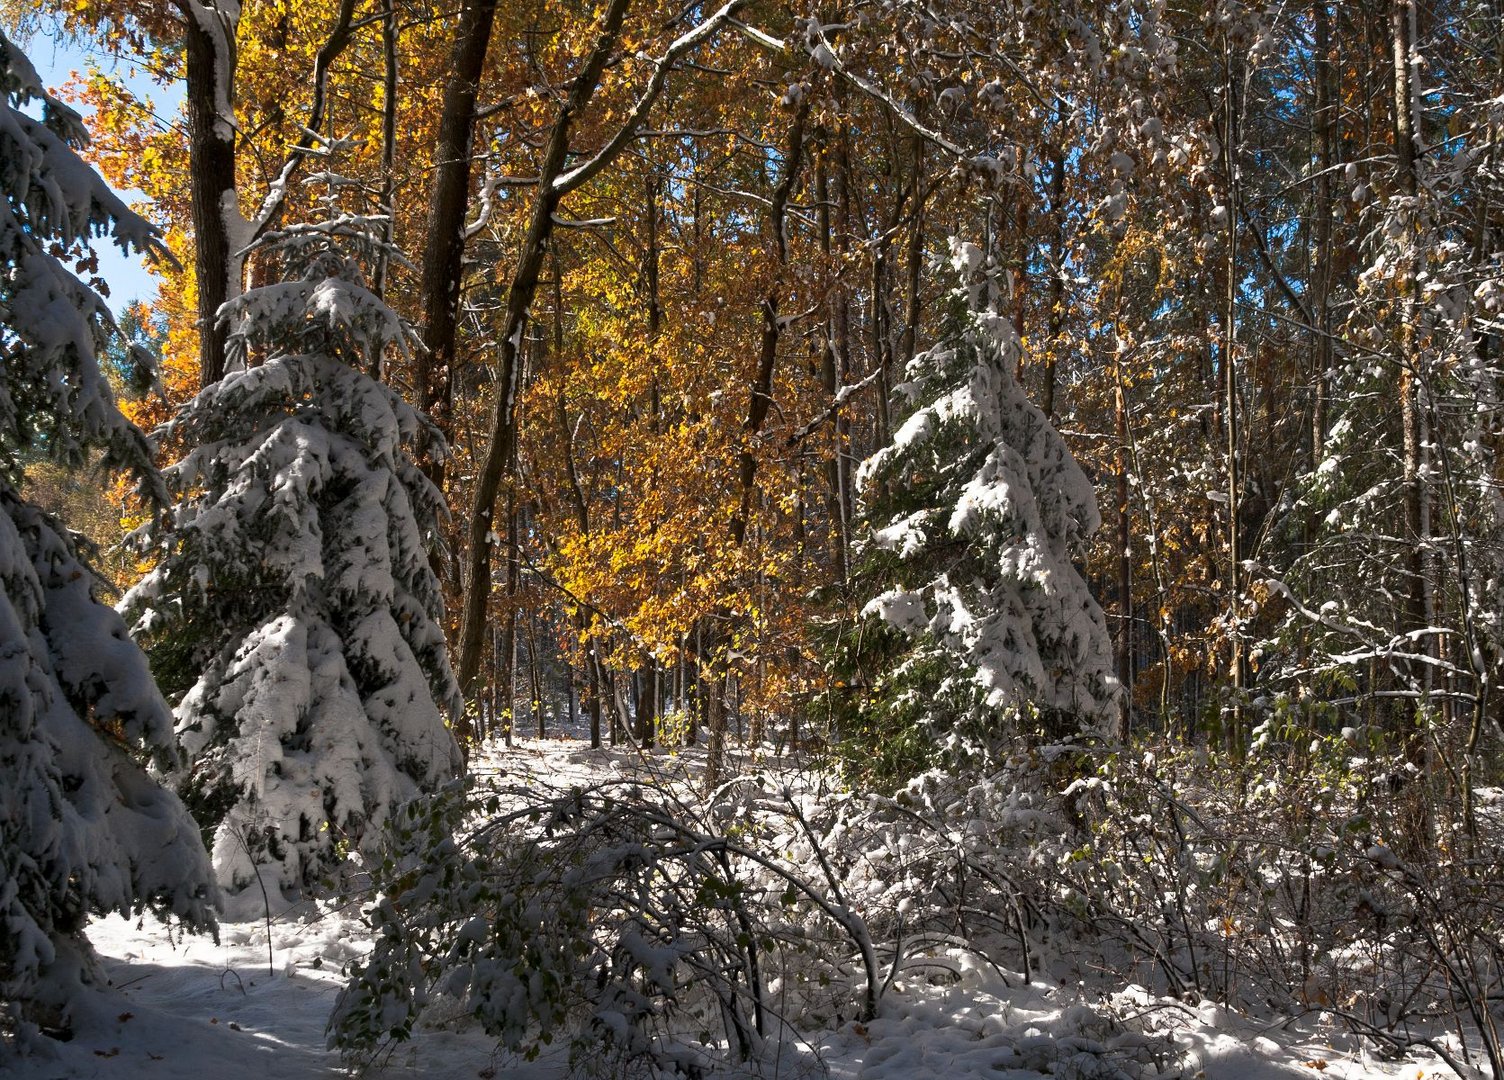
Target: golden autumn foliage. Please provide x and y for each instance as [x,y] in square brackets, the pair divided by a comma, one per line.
[723,318]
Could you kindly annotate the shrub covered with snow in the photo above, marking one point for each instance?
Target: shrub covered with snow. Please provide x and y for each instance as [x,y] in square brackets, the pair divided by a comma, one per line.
[976,511]
[292,604]
[83,828]
[653,927]
[1271,882]
[659,931]
[624,918]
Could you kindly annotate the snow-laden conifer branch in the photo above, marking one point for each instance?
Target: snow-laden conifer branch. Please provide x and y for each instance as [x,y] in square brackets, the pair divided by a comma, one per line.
[83,828]
[978,509]
[293,598]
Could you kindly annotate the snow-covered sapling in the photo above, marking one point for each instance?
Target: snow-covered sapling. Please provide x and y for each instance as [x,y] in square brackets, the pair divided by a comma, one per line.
[976,510]
[292,605]
[83,828]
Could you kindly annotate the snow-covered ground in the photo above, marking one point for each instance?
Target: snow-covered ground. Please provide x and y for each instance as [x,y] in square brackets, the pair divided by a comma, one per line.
[188,1009]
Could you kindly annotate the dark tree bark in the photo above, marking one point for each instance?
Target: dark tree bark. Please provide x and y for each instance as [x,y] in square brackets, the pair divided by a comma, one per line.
[1122,649]
[1321,285]
[759,404]
[1237,662]
[760,400]
[834,356]
[221,232]
[554,183]
[442,267]
[647,703]
[520,292]
[388,142]
[209,40]
[1416,615]
[1055,317]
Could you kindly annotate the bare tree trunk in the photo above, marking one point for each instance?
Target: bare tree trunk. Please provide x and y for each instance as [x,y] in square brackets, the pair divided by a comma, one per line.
[569,696]
[486,721]
[1401,19]
[759,403]
[1236,663]
[613,679]
[845,501]
[1416,616]
[509,632]
[535,674]
[442,266]
[715,734]
[760,400]
[696,714]
[1122,641]
[684,692]
[209,44]
[520,292]
[221,232]
[1325,120]
[831,361]
[651,261]
[388,147]
[914,262]
[553,184]
[1055,319]
[598,691]
[647,703]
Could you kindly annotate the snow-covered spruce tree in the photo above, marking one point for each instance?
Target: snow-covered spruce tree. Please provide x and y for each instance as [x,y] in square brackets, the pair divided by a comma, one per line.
[83,828]
[975,510]
[292,604]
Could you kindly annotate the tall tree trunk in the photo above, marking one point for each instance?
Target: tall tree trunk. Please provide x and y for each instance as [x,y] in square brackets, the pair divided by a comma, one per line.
[509,632]
[1237,663]
[535,674]
[597,694]
[647,703]
[222,234]
[1055,319]
[388,147]
[760,400]
[1401,21]
[552,186]
[613,679]
[914,262]
[209,43]
[519,298]
[759,403]
[570,694]
[1123,641]
[1321,285]
[443,252]
[831,362]
[1417,603]
[845,502]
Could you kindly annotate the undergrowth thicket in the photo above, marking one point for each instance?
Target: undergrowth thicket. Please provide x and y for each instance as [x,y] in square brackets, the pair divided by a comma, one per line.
[661,933]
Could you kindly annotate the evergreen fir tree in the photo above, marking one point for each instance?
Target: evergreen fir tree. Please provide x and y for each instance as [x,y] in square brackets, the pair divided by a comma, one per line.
[976,509]
[293,604]
[83,828]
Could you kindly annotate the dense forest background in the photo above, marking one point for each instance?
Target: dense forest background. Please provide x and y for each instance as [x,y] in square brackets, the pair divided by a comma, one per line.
[671,265]
[791,379]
